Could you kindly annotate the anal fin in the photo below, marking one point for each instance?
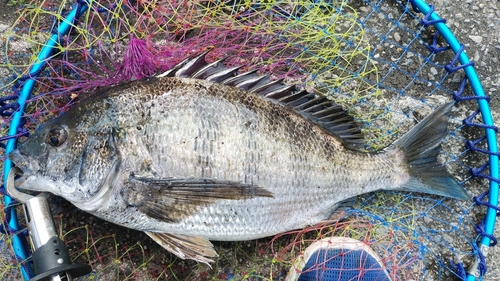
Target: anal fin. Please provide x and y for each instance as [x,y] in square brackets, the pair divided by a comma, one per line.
[186,247]
[341,207]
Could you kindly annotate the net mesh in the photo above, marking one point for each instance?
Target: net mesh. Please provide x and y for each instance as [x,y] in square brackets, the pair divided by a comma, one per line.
[372,57]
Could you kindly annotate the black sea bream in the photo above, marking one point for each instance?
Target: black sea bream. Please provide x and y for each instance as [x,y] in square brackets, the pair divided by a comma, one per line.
[203,153]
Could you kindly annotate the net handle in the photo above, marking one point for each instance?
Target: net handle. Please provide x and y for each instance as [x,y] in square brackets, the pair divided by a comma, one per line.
[37,65]
[486,116]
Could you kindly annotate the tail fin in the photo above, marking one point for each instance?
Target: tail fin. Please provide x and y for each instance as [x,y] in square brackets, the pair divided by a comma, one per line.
[421,147]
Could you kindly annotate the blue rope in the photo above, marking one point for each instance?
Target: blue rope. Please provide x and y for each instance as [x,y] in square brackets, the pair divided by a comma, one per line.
[449,67]
[480,230]
[426,22]
[459,269]
[458,94]
[9,109]
[472,146]
[8,98]
[479,201]
[468,122]
[434,46]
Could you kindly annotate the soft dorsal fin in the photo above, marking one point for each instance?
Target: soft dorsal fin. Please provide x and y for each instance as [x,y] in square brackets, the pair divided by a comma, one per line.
[318,109]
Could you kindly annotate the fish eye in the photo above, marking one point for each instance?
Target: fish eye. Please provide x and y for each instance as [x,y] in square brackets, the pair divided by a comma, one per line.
[57,136]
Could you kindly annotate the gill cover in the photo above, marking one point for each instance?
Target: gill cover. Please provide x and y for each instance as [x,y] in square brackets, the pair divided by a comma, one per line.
[99,161]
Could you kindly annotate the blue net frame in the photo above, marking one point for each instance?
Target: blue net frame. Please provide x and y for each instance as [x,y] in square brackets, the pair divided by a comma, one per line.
[486,227]
[14,106]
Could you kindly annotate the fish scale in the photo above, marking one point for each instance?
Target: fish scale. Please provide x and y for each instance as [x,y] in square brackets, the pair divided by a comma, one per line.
[180,134]
[240,157]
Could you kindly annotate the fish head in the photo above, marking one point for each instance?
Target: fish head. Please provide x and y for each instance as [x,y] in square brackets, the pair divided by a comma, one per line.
[67,158]
[45,159]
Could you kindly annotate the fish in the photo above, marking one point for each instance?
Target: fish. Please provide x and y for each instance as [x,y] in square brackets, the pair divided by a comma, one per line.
[205,152]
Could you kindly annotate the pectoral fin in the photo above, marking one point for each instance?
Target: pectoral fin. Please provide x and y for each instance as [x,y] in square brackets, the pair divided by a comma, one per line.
[172,199]
[186,247]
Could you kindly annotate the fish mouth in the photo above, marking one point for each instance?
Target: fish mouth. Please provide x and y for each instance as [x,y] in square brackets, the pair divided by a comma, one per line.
[27,171]
[12,189]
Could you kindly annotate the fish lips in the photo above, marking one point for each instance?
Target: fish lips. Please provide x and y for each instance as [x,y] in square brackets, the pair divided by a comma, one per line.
[30,168]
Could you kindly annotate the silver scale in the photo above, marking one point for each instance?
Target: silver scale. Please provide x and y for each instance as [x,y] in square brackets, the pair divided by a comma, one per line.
[50,255]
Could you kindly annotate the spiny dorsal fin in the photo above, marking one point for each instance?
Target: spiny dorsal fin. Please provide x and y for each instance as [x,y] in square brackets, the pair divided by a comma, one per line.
[318,109]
